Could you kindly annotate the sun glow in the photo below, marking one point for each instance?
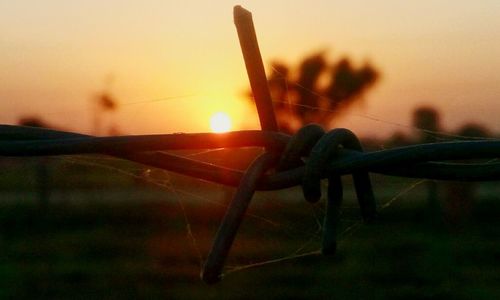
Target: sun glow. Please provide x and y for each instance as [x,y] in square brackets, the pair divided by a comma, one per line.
[220,122]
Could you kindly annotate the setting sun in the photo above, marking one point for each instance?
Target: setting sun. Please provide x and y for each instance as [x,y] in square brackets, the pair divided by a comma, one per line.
[220,122]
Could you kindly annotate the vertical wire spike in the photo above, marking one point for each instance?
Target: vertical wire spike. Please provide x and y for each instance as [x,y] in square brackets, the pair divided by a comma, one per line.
[255,68]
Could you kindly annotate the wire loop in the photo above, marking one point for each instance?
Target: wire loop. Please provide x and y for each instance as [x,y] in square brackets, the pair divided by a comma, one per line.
[302,159]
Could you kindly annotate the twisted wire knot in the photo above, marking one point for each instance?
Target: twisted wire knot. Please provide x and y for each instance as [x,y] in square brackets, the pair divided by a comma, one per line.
[311,141]
[302,159]
[319,148]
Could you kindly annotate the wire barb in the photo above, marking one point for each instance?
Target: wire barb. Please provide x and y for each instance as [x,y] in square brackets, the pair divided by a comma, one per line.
[234,216]
[302,159]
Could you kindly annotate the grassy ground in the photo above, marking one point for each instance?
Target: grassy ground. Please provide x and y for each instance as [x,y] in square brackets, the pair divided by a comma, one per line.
[122,239]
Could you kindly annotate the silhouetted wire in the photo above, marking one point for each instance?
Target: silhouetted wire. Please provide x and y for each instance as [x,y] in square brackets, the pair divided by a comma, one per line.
[176,191]
[350,230]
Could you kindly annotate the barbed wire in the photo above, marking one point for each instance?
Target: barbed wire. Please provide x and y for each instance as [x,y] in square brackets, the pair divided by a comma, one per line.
[302,159]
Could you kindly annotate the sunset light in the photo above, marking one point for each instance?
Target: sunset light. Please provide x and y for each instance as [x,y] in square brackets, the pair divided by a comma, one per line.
[50,69]
[161,149]
[220,122]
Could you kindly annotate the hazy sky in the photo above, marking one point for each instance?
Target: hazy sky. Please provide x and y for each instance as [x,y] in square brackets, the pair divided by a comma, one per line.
[56,55]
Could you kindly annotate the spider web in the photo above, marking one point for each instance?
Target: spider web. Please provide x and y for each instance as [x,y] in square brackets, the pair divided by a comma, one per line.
[279,226]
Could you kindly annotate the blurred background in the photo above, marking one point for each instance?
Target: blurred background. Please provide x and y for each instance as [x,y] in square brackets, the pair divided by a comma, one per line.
[56,56]
[395,73]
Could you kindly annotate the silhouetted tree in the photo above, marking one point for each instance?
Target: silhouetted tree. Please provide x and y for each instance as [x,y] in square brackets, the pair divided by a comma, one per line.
[427,119]
[397,139]
[33,121]
[102,103]
[319,91]
[473,131]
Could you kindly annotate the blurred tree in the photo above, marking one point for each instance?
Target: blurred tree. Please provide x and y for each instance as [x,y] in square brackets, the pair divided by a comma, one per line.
[104,102]
[319,92]
[427,119]
[33,121]
[398,139]
[474,131]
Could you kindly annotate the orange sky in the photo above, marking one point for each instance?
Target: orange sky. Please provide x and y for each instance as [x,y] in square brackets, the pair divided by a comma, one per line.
[55,55]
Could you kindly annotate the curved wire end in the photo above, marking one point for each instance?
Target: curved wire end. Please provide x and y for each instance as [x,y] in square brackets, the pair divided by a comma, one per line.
[234,217]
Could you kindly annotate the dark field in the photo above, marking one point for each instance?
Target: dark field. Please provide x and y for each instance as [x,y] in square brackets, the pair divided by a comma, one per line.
[108,234]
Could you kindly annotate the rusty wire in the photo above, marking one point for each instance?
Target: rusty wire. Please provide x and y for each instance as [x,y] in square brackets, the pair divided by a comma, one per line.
[302,159]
